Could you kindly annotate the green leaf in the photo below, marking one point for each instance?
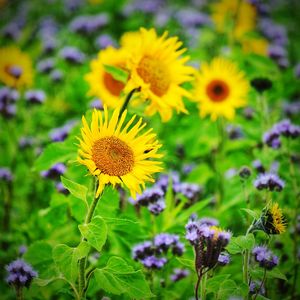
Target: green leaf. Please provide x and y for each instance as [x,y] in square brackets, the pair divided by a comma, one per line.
[77,190]
[39,255]
[227,288]
[241,243]
[54,153]
[117,73]
[214,282]
[66,259]
[187,262]
[252,213]
[120,278]
[95,232]
[275,273]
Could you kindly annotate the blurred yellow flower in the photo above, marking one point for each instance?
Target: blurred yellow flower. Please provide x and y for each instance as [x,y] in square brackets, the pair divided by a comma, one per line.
[155,65]
[275,223]
[102,84]
[15,67]
[220,88]
[116,155]
[255,45]
[238,13]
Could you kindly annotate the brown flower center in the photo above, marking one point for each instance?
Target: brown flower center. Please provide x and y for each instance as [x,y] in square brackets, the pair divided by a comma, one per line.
[114,86]
[113,156]
[155,73]
[217,90]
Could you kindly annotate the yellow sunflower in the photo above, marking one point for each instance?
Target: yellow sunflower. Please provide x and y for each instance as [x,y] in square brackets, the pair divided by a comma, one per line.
[116,155]
[220,88]
[15,67]
[255,45]
[240,13]
[102,84]
[155,65]
[275,221]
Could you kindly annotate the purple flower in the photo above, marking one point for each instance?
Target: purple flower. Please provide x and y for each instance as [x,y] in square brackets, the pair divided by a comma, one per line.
[189,190]
[49,44]
[234,132]
[56,75]
[292,108]
[26,142]
[45,66]
[163,241]
[140,251]
[104,40]
[22,249]
[223,259]
[257,165]
[61,133]
[265,257]
[8,95]
[20,273]
[192,18]
[179,274]
[163,180]
[153,262]
[72,55]
[256,287]
[89,24]
[11,31]
[248,113]
[61,189]
[97,104]
[208,221]
[188,168]
[5,174]
[35,96]
[157,207]
[269,181]
[55,171]
[297,70]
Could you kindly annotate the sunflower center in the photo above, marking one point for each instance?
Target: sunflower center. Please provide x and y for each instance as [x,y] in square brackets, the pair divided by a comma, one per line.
[155,73]
[217,90]
[113,156]
[114,86]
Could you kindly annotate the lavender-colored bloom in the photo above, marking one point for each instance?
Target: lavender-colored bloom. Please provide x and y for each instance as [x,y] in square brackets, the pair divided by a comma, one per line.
[277,52]
[61,189]
[26,142]
[157,207]
[192,18]
[248,113]
[89,24]
[97,104]
[49,44]
[291,108]
[234,132]
[35,96]
[223,259]
[145,6]
[15,71]
[47,27]
[271,138]
[269,181]
[61,133]
[276,33]
[104,40]
[189,190]
[56,75]
[257,165]
[164,241]
[256,287]
[22,250]
[72,55]
[179,274]
[208,221]
[178,249]
[140,251]
[11,31]
[297,70]
[45,66]
[162,17]
[55,171]
[265,257]
[73,5]
[188,168]
[8,95]
[287,129]
[230,173]
[153,262]
[163,180]
[5,174]
[20,273]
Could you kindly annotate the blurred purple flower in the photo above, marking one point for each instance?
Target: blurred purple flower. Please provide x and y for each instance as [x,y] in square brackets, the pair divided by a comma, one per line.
[269,181]
[72,55]
[104,40]
[35,96]
[179,274]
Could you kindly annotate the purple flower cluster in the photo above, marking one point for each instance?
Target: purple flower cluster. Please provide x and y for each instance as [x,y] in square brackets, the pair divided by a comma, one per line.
[292,108]
[256,287]
[265,257]
[284,128]
[20,273]
[145,6]
[208,242]
[6,175]
[59,134]
[45,66]
[89,24]
[234,132]
[54,172]
[72,55]
[8,99]
[269,181]
[26,142]
[152,253]
[35,96]
[179,274]
[104,40]
[190,18]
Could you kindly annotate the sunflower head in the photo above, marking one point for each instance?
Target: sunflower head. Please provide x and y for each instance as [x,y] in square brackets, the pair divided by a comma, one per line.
[102,84]
[241,15]
[118,155]
[15,67]
[275,222]
[156,66]
[220,88]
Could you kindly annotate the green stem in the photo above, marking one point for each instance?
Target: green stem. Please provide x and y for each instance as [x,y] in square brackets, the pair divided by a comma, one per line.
[199,276]
[82,262]
[203,286]
[129,96]
[246,267]
[261,284]
[19,293]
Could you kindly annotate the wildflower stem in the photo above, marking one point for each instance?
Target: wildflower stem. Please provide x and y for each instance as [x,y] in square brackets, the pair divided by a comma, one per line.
[261,284]
[129,96]
[203,286]
[19,293]
[82,262]
[197,285]
[245,267]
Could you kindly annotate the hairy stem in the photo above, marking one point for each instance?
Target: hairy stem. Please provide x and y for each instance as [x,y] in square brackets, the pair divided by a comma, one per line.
[261,284]
[199,275]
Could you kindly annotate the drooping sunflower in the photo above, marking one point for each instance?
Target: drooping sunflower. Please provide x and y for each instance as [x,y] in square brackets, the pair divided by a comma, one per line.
[155,65]
[240,13]
[102,84]
[275,221]
[15,67]
[220,88]
[119,155]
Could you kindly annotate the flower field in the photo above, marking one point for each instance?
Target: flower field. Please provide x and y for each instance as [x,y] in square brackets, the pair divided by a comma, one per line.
[149,149]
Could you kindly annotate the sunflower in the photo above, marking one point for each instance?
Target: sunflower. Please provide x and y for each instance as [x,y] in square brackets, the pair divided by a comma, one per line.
[102,84]
[116,155]
[15,67]
[155,65]
[220,88]
[241,14]
[275,221]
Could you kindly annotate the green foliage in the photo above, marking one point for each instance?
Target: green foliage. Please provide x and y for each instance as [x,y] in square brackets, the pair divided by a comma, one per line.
[117,73]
